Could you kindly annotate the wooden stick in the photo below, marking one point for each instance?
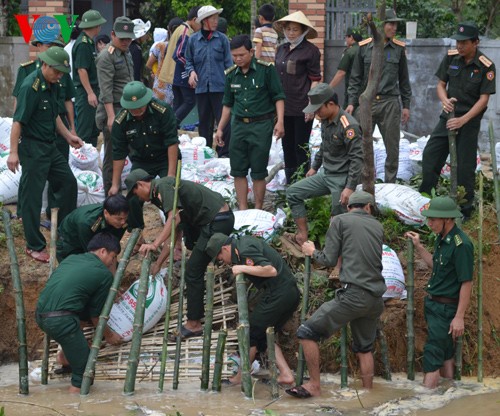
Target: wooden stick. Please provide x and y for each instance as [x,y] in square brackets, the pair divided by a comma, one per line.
[20,311]
[140,309]
[89,373]
[178,338]
[496,175]
[207,330]
[343,357]
[480,334]
[383,351]
[301,363]
[272,362]
[219,360]
[410,312]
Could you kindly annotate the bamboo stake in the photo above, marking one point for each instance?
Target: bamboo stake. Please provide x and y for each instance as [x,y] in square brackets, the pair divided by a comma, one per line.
[88,375]
[178,339]
[170,277]
[219,360]
[383,350]
[343,357]
[272,362]
[244,334]
[303,313]
[410,312]
[496,175]
[140,309]
[452,143]
[207,330]
[458,358]
[20,313]
[480,334]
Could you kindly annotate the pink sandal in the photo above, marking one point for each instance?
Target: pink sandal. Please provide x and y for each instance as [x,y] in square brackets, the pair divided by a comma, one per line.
[41,256]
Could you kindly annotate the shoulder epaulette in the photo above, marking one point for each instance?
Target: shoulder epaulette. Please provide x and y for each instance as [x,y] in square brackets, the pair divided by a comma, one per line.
[230,69]
[27,63]
[344,121]
[96,225]
[36,84]
[111,49]
[265,63]
[399,42]
[365,42]
[121,116]
[485,61]
[458,240]
[84,39]
[158,107]
[452,52]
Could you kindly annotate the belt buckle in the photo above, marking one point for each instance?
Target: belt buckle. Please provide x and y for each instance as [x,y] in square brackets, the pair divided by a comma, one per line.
[345,285]
[378,97]
[246,120]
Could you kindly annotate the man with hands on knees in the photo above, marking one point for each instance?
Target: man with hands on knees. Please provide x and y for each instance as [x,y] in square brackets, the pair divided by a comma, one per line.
[448,289]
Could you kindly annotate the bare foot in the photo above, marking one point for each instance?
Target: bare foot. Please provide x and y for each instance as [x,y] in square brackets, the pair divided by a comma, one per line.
[73,389]
[313,389]
[61,358]
[286,379]
[236,379]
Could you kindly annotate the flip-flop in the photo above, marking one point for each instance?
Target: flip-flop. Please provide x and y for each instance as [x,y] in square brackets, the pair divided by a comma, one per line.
[41,256]
[65,369]
[227,382]
[45,224]
[185,334]
[299,392]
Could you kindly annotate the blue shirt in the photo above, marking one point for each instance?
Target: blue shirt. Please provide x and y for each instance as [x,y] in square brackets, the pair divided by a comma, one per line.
[209,59]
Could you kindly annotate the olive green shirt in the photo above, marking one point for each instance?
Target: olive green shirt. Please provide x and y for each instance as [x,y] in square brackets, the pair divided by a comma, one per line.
[84,57]
[22,72]
[345,65]
[80,284]
[146,140]
[198,205]
[115,69]
[466,82]
[37,108]
[254,93]
[452,264]
[341,148]
[66,92]
[395,79]
[77,229]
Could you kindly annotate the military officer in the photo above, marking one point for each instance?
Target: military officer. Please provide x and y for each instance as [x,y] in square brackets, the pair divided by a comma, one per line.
[394,83]
[466,81]
[252,93]
[32,143]
[114,70]
[85,76]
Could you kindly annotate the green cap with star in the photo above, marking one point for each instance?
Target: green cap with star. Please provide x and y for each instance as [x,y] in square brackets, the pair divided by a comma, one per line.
[57,58]
[135,95]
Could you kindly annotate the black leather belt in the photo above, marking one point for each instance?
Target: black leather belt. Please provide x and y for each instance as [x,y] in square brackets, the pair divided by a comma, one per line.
[443,299]
[56,314]
[248,120]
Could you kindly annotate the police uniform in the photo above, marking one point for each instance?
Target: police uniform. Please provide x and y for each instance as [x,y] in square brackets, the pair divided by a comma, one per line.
[340,158]
[466,82]
[394,83]
[345,64]
[252,97]
[77,290]
[78,228]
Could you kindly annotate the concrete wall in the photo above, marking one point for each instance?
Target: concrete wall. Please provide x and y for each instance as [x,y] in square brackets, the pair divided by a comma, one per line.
[13,52]
[424,57]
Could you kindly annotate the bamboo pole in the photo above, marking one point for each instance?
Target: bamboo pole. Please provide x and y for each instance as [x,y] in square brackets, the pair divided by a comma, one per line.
[343,357]
[219,360]
[207,330]
[480,334]
[410,312]
[140,309]
[452,143]
[458,358]
[88,375]
[244,334]
[301,364]
[496,175]
[271,354]
[383,351]
[178,338]
[20,313]
[169,281]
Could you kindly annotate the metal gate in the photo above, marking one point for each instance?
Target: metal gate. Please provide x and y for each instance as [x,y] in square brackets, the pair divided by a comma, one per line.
[341,14]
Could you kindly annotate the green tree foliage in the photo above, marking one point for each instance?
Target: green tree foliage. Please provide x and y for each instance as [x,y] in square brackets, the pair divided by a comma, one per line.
[8,23]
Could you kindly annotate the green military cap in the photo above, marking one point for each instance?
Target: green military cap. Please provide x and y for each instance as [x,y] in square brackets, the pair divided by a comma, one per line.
[57,58]
[319,95]
[390,16]
[53,42]
[124,28]
[134,177]
[442,207]
[351,31]
[215,244]
[466,30]
[135,95]
[91,18]
[361,197]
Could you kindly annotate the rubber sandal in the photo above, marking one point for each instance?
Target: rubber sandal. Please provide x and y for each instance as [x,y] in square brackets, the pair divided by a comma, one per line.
[299,392]
[185,334]
[41,256]
[45,224]
[65,369]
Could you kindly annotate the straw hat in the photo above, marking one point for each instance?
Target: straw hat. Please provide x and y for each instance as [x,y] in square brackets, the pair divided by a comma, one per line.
[297,17]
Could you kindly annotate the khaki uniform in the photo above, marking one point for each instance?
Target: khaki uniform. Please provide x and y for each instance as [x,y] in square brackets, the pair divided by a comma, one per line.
[345,64]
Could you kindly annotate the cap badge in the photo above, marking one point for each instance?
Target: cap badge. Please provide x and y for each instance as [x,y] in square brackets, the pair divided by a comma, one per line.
[134,98]
[461,29]
[125,27]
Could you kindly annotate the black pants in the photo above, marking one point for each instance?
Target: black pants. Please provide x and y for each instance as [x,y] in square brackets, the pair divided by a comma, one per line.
[295,144]
[184,102]
[210,108]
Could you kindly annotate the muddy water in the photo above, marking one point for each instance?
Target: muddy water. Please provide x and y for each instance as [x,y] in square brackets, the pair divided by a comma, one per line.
[399,397]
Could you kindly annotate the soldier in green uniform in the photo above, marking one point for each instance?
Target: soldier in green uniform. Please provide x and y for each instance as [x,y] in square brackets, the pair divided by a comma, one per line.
[85,76]
[32,143]
[252,94]
[352,37]
[340,158]
[115,69]
[448,289]
[78,228]
[145,130]
[202,213]
[394,83]
[356,237]
[75,292]
[466,81]
[267,271]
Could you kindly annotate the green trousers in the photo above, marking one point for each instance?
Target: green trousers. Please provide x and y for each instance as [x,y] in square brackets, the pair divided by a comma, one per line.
[86,127]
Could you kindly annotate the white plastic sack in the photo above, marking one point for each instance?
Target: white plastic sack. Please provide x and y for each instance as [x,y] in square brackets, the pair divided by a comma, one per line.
[315,139]
[125,172]
[258,222]
[225,188]
[197,155]
[5,127]
[84,158]
[278,183]
[393,273]
[9,183]
[121,318]
[276,152]
[90,188]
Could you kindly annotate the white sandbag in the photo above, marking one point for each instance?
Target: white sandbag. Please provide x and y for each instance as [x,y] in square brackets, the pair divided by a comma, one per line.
[84,158]
[197,155]
[90,188]
[121,318]
[258,222]
[278,183]
[406,203]
[126,168]
[199,141]
[9,183]
[315,139]
[225,188]
[393,273]
[276,152]
[5,127]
